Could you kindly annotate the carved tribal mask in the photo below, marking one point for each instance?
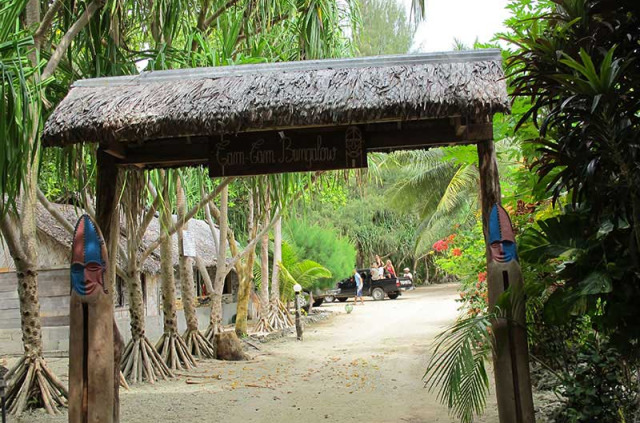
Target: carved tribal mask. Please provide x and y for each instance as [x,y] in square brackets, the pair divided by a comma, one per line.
[501,238]
[88,258]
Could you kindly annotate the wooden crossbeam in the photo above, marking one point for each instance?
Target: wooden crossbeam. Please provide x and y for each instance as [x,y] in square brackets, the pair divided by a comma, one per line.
[388,136]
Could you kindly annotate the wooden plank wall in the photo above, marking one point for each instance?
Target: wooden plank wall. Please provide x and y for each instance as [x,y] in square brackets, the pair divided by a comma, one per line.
[53,289]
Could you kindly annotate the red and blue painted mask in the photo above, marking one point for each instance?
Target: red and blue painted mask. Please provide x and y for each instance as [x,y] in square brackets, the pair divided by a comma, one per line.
[88,258]
[502,241]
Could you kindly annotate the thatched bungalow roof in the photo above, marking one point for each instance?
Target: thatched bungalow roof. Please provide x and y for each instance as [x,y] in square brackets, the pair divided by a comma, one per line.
[198,229]
[245,98]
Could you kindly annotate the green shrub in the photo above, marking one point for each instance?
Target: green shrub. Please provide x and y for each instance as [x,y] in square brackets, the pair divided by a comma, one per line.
[598,389]
[324,246]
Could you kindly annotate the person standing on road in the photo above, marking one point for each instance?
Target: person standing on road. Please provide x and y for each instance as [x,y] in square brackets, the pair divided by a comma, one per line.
[359,285]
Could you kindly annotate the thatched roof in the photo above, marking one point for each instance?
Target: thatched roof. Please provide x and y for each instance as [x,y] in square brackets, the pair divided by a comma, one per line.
[233,99]
[198,229]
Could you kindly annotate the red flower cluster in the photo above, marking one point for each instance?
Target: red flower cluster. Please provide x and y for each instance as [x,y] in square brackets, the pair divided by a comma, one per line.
[482,276]
[443,244]
[456,252]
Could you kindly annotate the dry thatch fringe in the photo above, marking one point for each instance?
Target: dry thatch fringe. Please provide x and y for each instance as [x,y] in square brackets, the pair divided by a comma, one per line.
[31,373]
[175,352]
[136,110]
[198,345]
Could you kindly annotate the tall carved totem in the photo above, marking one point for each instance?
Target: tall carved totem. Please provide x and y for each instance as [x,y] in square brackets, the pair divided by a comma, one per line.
[91,356]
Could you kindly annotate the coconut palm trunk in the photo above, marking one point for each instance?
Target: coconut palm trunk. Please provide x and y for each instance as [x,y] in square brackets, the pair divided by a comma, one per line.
[170,346]
[140,361]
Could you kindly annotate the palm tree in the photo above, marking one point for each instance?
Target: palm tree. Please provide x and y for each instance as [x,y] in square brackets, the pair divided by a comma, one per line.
[196,343]
[140,360]
[307,273]
[171,347]
[440,187]
[23,98]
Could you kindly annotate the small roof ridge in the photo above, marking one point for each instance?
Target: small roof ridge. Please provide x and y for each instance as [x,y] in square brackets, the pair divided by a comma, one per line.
[303,65]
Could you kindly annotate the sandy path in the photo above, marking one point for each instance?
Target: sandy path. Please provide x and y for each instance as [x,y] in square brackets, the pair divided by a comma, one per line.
[366,366]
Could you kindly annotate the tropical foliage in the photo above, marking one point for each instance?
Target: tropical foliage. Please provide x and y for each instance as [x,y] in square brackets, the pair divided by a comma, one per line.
[306,273]
[323,245]
[384,29]
[457,368]
[575,117]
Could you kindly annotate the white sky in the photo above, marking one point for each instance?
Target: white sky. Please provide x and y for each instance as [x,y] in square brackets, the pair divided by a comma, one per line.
[465,20]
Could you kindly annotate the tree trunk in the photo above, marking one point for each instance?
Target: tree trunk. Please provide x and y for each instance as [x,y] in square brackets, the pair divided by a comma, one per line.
[140,361]
[197,344]
[264,271]
[196,341]
[246,275]
[30,382]
[263,324]
[187,282]
[170,346]
[29,310]
[244,293]
[279,317]
[136,303]
[187,286]
[215,318]
[277,258]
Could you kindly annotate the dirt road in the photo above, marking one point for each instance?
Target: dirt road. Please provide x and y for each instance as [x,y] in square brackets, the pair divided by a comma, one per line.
[362,367]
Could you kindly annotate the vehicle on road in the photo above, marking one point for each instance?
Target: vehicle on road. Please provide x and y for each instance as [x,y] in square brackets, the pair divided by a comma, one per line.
[376,289]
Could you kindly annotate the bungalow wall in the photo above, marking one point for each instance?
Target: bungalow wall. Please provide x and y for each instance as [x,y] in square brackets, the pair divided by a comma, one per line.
[54,290]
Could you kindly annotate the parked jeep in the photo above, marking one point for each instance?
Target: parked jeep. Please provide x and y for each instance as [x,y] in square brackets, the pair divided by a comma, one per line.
[377,289]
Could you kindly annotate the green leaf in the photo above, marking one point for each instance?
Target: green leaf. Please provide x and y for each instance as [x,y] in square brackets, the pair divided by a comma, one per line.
[596,282]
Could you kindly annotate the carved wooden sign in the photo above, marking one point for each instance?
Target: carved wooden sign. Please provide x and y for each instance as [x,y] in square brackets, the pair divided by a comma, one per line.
[287,151]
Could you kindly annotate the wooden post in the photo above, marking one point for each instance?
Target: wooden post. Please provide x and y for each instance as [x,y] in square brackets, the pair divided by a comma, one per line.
[102,367]
[298,321]
[510,356]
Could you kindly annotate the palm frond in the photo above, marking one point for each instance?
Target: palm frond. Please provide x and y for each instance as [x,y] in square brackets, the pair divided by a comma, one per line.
[304,273]
[457,371]
[20,105]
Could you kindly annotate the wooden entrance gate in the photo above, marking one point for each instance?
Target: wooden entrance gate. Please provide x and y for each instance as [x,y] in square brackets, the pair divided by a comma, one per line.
[305,116]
